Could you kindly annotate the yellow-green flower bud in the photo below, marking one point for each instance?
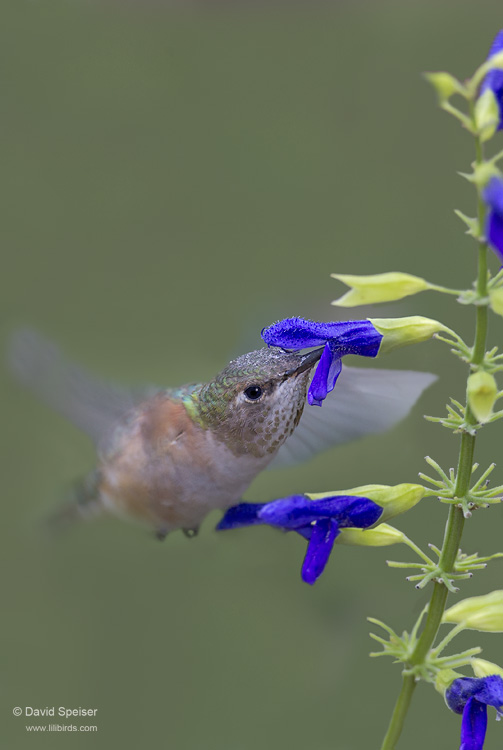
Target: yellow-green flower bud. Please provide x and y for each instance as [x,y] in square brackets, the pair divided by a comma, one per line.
[445,678]
[478,613]
[393,500]
[486,115]
[483,668]
[380,287]
[445,85]
[496,301]
[381,536]
[482,393]
[398,332]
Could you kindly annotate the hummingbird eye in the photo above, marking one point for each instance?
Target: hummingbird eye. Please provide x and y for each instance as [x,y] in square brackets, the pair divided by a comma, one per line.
[253,392]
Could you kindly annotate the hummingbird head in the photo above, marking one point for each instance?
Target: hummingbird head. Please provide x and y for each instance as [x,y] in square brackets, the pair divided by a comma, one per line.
[256,402]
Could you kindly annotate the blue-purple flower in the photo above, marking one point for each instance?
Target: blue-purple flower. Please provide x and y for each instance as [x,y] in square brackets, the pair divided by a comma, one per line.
[470,696]
[493,196]
[340,338]
[318,521]
[494,79]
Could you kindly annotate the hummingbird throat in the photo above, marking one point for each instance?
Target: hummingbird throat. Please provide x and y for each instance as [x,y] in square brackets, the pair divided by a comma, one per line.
[255,427]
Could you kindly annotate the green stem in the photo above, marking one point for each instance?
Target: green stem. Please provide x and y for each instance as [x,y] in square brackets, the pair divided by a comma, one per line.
[455,520]
[452,537]
[479,348]
[481,324]
[399,712]
[465,462]
[453,531]
[445,290]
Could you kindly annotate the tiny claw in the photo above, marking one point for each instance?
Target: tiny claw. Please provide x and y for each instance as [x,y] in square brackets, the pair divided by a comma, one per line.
[161,534]
[191,533]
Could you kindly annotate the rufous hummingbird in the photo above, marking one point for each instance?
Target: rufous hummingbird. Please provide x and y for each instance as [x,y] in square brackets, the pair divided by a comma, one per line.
[167,457]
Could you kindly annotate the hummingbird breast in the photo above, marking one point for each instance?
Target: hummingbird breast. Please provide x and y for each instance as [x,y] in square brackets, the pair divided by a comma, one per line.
[166,470]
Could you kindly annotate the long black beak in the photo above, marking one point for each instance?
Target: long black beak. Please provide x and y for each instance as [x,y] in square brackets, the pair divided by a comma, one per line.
[308,361]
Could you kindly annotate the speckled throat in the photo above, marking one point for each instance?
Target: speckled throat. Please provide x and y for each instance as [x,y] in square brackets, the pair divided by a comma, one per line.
[260,427]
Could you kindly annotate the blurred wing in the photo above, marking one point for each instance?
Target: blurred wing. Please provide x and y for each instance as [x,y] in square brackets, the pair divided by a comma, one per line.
[92,404]
[364,401]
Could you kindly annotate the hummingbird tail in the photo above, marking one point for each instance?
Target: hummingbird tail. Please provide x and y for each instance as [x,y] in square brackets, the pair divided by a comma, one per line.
[83,504]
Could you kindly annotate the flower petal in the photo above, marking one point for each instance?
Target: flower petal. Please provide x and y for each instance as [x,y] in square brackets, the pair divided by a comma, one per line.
[459,692]
[297,511]
[340,338]
[356,337]
[319,548]
[497,45]
[298,333]
[305,531]
[325,377]
[473,725]
[494,231]
[491,691]
[244,514]
[289,512]
[494,79]
[359,512]
[487,690]
[493,194]
[345,337]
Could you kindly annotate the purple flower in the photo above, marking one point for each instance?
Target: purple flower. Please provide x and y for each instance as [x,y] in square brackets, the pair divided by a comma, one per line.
[494,79]
[318,521]
[493,196]
[341,338]
[471,696]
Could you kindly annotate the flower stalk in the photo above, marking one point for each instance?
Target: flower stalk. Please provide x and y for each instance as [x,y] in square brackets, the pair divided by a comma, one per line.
[456,518]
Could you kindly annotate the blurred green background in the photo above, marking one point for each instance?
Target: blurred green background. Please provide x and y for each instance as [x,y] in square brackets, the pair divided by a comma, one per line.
[175,178]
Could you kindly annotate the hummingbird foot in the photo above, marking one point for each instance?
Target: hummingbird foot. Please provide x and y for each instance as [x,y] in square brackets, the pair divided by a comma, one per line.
[161,534]
[191,533]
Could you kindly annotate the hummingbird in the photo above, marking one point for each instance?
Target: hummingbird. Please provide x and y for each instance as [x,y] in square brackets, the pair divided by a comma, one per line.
[166,457]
